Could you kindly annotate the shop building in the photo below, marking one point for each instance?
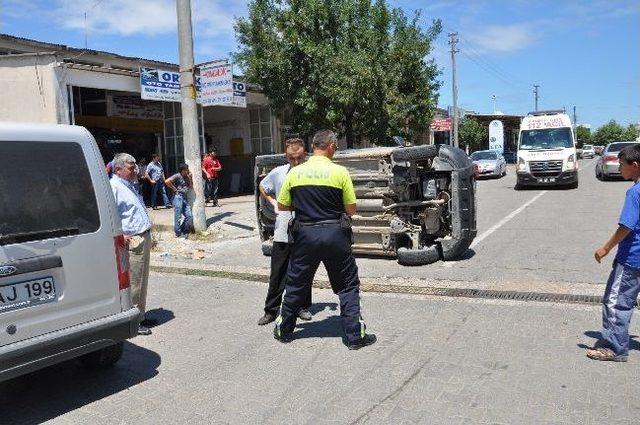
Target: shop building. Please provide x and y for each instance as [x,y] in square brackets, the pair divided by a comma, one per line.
[52,83]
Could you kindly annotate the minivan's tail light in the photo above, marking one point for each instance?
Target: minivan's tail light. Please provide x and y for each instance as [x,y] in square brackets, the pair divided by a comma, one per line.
[611,158]
[122,261]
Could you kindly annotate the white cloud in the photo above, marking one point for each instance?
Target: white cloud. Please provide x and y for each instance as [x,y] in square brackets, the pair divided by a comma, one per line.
[145,17]
[504,38]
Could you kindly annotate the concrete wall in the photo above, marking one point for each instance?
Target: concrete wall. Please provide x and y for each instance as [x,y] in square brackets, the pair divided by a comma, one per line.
[30,89]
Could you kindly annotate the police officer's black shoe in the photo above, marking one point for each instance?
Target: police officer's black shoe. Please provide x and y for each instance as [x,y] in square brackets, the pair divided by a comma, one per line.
[266,319]
[282,336]
[368,339]
[304,314]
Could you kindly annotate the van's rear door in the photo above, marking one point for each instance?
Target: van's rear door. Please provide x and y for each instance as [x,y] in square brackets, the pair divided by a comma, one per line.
[57,256]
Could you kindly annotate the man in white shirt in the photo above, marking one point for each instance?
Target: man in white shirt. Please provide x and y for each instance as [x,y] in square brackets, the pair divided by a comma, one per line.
[136,227]
[269,190]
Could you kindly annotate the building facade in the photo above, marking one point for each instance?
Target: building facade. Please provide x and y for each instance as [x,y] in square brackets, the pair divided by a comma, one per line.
[51,83]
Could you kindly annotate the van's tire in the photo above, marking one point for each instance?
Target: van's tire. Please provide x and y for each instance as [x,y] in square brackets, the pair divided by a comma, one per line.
[454,249]
[418,257]
[267,247]
[463,204]
[102,358]
[415,153]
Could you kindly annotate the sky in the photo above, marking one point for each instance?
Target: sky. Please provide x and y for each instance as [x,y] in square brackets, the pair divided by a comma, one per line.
[581,53]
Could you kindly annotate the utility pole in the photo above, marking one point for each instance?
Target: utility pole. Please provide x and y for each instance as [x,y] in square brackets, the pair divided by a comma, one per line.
[453,40]
[190,132]
[575,117]
[535,92]
[493,97]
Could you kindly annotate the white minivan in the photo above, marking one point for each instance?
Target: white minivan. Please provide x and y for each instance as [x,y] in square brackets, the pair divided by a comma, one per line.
[547,153]
[64,266]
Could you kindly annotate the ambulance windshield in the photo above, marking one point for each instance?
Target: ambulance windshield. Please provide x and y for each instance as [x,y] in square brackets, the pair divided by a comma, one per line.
[547,138]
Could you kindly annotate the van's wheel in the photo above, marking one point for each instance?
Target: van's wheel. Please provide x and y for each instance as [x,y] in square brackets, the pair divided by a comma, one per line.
[418,257]
[454,249]
[102,358]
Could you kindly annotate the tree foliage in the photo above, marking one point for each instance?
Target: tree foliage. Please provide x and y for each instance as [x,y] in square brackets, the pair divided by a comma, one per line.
[631,133]
[583,134]
[473,134]
[608,133]
[357,66]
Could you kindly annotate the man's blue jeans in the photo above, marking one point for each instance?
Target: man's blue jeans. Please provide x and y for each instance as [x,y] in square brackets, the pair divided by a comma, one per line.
[182,215]
[158,186]
[617,307]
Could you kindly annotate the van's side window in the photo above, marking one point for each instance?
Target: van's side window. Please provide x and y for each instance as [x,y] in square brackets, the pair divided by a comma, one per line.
[45,191]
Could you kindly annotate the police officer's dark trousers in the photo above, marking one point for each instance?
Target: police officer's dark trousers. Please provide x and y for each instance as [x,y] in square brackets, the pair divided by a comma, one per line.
[331,245]
[280,253]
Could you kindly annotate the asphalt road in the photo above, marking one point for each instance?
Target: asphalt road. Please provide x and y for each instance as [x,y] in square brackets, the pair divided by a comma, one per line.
[527,240]
[437,361]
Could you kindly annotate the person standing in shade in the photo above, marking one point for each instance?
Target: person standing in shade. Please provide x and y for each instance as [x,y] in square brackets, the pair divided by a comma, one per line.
[180,183]
[280,252]
[321,194]
[156,178]
[210,168]
[136,228]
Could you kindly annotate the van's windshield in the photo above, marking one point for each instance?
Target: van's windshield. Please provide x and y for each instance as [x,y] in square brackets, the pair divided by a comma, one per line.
[46,190]
[547,138]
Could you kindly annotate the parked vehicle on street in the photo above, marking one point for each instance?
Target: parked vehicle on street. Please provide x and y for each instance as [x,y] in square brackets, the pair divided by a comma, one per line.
[598,149]
[608,165]
[588,151]
[489,163]
[414,203]
[547,153]
[64,274]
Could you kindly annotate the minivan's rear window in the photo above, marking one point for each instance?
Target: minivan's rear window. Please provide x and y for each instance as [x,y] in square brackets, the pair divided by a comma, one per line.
[45,191]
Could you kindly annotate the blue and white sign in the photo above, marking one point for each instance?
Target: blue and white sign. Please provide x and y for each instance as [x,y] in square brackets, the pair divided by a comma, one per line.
[159,84]
[496,136]
[239,95]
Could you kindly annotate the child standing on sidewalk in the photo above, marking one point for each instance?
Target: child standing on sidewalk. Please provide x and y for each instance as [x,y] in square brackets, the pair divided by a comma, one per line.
[624,281]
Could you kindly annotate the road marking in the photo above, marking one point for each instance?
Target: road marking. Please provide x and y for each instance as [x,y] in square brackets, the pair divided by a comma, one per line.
[506,219]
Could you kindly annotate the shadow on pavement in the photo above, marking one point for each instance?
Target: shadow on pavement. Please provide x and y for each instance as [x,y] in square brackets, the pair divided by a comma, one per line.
[218,217]
[56,390]
[318,307]
[160,315]
[331,327]
[633,344]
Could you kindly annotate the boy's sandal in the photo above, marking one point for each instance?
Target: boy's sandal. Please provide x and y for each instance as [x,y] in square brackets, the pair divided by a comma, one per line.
[604,354]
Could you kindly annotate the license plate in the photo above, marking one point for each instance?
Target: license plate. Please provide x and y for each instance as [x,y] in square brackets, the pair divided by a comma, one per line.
[547,180]
[27,294]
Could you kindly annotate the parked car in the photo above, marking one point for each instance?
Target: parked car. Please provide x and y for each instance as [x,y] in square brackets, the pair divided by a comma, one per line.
[588,151]
[415,203]
[64,274]
[608,165]
[598,149]
[489,163]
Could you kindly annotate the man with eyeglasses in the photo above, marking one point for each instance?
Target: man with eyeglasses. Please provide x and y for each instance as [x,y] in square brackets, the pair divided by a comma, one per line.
[321,194]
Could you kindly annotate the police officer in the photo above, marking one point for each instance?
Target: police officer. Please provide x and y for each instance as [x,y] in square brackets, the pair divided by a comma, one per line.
[322,196]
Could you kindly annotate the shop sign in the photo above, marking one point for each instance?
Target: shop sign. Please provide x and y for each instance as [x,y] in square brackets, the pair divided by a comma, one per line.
[133,107]
[441,124]
[239,95]
[496,136]
[163,85]
[216,84]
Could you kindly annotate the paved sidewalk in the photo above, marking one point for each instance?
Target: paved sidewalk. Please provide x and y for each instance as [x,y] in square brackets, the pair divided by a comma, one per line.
[438,361]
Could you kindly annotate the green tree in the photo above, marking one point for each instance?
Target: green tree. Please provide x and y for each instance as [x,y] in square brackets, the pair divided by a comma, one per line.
[473,134]
[609,132]
[583,134]
[631,133]
[354,65]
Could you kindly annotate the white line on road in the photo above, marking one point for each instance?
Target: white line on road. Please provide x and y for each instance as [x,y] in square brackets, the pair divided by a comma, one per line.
[506,219]
[516,212]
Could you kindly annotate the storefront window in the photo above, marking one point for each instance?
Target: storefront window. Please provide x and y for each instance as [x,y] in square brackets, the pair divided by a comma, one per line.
[260,125]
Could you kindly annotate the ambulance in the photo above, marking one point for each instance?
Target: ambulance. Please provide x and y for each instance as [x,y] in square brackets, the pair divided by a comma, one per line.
[547,153]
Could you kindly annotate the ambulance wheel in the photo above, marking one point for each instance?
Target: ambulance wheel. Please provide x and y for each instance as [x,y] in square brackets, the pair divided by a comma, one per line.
[418,257]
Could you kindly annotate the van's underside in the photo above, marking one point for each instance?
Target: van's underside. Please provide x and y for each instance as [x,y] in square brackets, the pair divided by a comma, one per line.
[414,203]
